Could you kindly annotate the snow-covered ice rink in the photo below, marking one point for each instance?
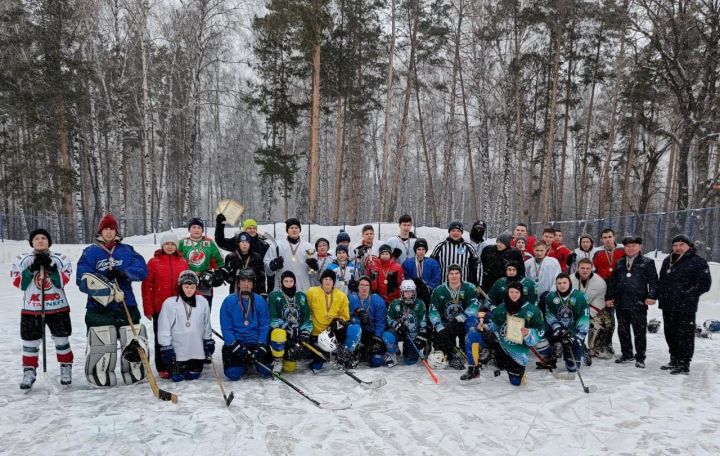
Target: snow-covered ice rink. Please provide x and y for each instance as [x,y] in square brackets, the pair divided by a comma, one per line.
[634,411]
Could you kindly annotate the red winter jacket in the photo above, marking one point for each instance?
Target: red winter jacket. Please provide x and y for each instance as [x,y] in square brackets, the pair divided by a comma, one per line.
[379,270]
[605,261]
[161,281]
[560,253]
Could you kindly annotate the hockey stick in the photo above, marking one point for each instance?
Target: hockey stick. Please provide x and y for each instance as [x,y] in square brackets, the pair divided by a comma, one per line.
[318,404]
[270,238]
[424,361]
[577,367]
[378,383]
[228,399]
[42,318]
[544,362]
[160,394]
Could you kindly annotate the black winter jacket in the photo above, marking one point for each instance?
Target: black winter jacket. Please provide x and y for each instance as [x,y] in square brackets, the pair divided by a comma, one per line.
[494,263]
[679,290]
[631,292]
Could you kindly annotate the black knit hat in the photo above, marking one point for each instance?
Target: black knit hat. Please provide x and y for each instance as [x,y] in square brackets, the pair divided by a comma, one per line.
[385,248]
[455,225]
[678,238]
[328,273]
[196,221]
[292,221]
[342,237]
[322,239]
[42,231]
[632,240]
[420,242]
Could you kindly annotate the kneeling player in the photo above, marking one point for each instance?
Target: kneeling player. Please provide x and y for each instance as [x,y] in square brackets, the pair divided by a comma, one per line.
[406,319]
[368,310]
[245,324]
[330,312]
[290,323]
[512,355]
[568,319]
[184,332]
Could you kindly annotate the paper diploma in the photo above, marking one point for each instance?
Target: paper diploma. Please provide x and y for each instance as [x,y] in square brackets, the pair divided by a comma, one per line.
[513,332]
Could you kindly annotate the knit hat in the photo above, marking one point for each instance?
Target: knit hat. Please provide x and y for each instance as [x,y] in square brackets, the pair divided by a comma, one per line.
[516,285]
[513,264]
[248,223]
[107,222]
[342,237]
[169,236]
[341,248]
[504,238]
[322,240]
[42,231]
[244,237]
[196,221]
[328,273]
[287,273]
[456,225]
[678,238]
[632,240]
[292,221]
[420,242]
[521,238]
[385,248]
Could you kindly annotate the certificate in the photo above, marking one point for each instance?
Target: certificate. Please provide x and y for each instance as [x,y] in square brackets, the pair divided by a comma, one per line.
[514,328]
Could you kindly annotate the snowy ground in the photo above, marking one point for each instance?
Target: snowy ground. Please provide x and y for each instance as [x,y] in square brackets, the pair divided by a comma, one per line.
[634,411]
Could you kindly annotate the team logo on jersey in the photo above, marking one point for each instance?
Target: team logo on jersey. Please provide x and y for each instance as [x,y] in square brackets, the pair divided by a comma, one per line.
[565,315]
[40,284]
[107,263]
[196,258]
[291,315]
[556,300]
[453,310]
[409,321]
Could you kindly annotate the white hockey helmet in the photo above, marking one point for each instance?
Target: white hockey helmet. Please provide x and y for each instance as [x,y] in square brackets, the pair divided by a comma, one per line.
[327,342]
[437,360]
[407,285]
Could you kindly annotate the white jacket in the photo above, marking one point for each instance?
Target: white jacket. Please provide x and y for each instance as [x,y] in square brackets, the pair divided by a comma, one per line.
[544,275]
[173,329]
[292,262]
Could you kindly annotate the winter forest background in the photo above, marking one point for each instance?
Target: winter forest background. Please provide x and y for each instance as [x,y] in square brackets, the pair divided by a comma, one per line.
[346,111]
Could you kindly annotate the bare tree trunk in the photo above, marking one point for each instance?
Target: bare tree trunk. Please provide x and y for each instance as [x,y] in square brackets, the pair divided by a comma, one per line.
[147,156]
[588,124]
[551,129]
[315,119]
[605,185]
[670,189]
[339,156]
[426,154]
[566,124]
[625,199]
[388,112]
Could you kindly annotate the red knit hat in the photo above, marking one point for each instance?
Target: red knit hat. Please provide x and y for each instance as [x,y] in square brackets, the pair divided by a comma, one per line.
[108,222]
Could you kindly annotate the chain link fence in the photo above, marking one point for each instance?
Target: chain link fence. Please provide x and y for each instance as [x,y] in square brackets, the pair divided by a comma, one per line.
[656,229]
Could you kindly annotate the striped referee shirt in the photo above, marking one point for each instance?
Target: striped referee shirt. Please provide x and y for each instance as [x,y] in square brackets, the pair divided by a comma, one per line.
[463,254]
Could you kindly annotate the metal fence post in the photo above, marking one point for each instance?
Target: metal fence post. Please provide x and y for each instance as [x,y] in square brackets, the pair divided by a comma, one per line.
[657,234]
[2,228]
[691,224]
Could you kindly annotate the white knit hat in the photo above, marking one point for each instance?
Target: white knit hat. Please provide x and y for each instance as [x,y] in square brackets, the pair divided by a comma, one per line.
[168,236]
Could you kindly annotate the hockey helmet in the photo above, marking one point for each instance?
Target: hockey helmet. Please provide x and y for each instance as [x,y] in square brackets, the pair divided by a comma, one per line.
[653,325]
[712,325]
[437,360]
[327,342]
[245,274]
[407,285]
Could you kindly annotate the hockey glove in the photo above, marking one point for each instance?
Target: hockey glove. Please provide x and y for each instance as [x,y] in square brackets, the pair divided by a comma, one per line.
[44,260]
[220,219]
[421,340]
[557,333]
[209,346]
[571,258]
[363,316]
[313,264]
[376,344]
[219,277]
[36,264]
[304,337]
[167,355]
[277,264]
[353,286]
[392,284]
[116,275]
[338,328]
[261,353]
[205,280]
[396,253]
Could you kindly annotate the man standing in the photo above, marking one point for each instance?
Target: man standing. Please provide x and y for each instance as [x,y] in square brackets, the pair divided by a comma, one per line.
[543,270]
[684,276]
[495,259]
[403,243]
[366,251]
[521,231]
[607,257]
[425,272]
[557,249]
[594,288]
[203,257]
[456,251]
[631,289]
[291,255]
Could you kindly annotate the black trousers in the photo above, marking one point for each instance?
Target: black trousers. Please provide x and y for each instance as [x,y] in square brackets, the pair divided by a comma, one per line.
[637,320]
[447,340]
[680,335]
[159,364]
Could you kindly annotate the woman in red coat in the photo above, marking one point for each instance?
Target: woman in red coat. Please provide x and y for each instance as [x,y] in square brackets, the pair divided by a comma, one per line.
[387,275]
[161,283]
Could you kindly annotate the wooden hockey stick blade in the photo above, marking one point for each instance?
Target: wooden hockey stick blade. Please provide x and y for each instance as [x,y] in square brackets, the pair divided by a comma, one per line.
[374,384]
[334,406]
[229,399]
[159,393]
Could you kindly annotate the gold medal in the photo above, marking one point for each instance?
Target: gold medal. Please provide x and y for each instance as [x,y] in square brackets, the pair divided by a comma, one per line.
[294,259]
[628,275]
[187,323]
[385,282]
[611,269]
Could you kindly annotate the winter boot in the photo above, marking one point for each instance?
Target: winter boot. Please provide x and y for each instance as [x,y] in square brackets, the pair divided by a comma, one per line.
[550,363]
[681,369]
[624,359]
[29,376]
[390,359]
[670,366]
[456,363]
[472,372]
[65,374]
[640,364]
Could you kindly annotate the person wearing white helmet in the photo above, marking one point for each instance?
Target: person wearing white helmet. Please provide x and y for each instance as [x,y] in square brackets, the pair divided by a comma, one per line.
[407,323]
[184,332]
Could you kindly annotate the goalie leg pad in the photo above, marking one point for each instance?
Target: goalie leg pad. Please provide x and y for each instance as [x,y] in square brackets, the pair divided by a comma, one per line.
[101,356]
[278,338]
[130,365]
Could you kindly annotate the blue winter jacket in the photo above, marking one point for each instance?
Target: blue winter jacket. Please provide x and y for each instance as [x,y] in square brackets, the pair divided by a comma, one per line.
[431,271]
[232,321]
[97,260]
[376,309]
